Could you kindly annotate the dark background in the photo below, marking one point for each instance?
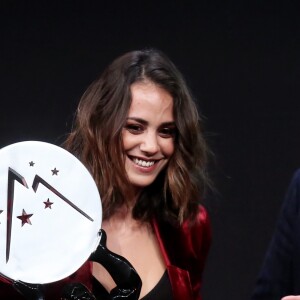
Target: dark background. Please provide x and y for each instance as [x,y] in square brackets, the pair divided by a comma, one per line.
[240,58]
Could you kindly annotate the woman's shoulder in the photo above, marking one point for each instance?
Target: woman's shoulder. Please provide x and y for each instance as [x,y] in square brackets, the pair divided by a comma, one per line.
[202,215]
[196,232]
[200,222]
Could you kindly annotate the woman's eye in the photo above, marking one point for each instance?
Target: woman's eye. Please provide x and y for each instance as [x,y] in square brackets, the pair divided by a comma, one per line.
[168,132]
[134,128]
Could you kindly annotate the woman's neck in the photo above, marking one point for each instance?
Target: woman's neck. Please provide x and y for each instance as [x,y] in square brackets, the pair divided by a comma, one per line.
[122,223]
[122,218]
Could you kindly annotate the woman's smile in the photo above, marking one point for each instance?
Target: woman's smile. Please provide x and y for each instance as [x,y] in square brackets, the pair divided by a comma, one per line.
[143,163]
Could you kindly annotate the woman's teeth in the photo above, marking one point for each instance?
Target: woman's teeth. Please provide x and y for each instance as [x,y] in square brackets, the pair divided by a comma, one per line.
[143,163]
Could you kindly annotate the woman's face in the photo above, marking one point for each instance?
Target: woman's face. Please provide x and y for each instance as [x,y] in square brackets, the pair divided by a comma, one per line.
[148,136]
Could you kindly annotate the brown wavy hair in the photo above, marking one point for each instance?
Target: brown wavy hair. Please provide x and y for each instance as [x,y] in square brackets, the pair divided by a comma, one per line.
[96,139]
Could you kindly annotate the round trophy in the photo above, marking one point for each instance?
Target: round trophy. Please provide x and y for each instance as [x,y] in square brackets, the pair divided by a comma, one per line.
[50,212]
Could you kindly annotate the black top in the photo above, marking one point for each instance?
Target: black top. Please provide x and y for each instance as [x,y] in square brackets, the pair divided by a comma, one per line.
[162,290]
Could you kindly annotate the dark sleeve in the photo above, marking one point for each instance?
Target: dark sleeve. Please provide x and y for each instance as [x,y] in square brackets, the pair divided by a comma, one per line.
[279,275]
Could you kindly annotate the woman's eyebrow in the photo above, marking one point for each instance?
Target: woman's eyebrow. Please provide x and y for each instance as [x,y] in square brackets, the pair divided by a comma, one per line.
[144,122]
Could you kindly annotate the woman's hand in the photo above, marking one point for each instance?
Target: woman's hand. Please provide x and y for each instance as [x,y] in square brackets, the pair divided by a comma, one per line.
[291,298]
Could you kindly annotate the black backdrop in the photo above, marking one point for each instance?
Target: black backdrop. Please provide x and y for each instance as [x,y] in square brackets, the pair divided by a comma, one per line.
[241,60]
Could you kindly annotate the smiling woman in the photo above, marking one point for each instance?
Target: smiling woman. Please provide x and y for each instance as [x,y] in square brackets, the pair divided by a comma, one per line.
[139,133]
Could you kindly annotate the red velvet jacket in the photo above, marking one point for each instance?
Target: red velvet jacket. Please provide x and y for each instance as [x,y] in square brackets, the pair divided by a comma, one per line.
[184,249]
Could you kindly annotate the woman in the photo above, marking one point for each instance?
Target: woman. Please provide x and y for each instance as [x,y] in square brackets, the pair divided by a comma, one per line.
[138,132]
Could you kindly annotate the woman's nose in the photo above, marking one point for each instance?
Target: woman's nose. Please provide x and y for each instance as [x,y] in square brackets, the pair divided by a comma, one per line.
[149,143]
